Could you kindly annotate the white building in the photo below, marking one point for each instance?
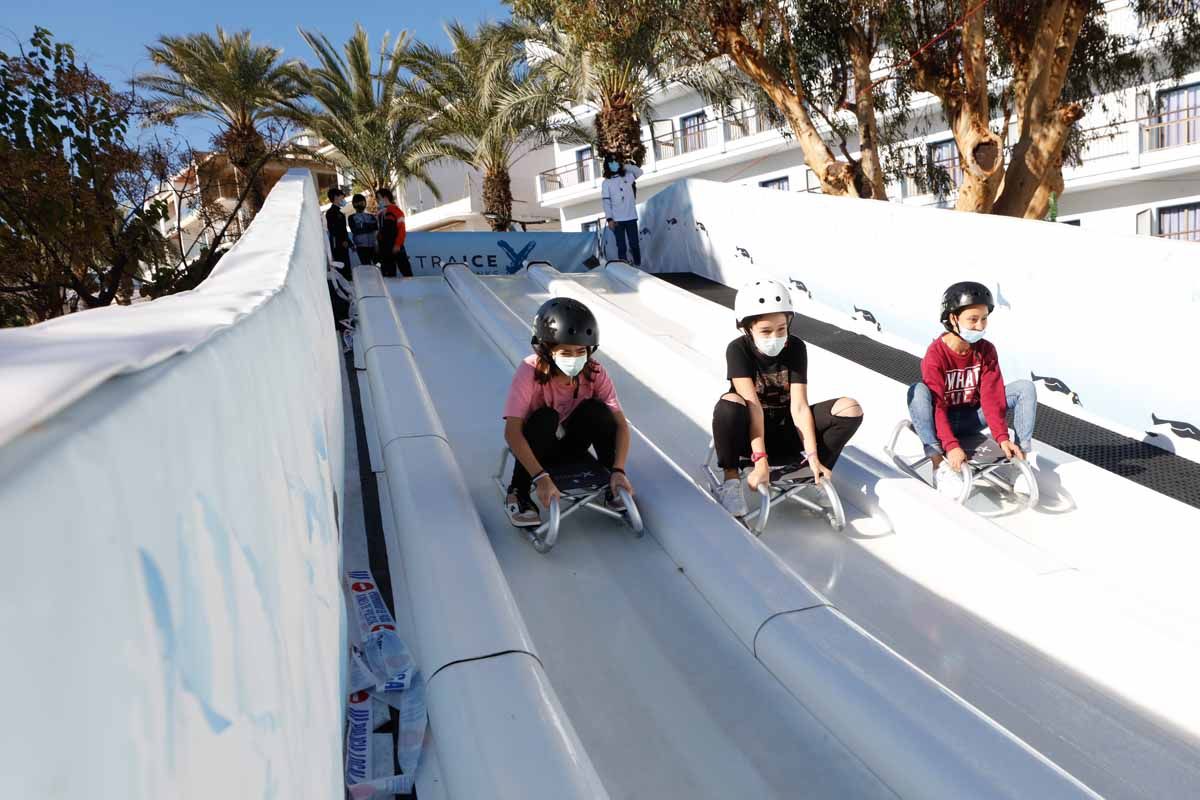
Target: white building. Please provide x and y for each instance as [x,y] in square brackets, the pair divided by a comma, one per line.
[1140,173]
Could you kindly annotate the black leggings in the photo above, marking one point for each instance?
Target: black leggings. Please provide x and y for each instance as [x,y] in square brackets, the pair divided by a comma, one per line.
[731,433]
[591,424]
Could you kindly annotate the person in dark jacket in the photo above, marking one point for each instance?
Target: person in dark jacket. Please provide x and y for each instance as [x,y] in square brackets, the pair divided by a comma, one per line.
[339,234]
[364,229]
[392,254]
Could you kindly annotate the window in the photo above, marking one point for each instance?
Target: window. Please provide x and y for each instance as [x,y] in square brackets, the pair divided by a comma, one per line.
[590,227]
[692,132]
[583,164]
[1177,122]
[1180,222]
[945,155]
[776,183]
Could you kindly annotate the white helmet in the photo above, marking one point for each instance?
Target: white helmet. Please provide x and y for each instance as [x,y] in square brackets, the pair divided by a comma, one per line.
[761,297]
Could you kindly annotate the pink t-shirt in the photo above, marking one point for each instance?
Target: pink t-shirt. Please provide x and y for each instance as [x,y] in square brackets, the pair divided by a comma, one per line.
[526,395]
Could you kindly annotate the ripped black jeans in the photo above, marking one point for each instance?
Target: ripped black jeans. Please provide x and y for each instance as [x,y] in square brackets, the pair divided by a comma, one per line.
[731,434]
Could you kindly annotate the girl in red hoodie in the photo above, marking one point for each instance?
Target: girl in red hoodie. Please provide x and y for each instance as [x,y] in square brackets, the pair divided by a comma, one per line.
[962,390]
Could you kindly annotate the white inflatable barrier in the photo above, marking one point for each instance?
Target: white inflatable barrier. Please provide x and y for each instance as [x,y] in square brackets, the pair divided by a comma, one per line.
[892,262]
[499,727]
[907,728]
[170,483]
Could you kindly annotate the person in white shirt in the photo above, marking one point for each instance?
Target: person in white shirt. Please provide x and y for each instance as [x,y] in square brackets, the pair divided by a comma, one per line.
[618,195]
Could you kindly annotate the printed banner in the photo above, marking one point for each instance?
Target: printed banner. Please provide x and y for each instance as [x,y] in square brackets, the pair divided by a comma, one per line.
[381,669]
[500,253]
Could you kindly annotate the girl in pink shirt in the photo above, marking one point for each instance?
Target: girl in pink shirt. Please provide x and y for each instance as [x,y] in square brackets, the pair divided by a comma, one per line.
[561,386]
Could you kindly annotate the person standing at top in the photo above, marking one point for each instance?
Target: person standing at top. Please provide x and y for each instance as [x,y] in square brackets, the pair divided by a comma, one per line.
[339,236]
[618,195]
[363,230]
[391,236]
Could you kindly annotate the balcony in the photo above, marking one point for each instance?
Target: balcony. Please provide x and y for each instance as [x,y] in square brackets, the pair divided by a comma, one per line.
[1173,129]
[580,173]
[717,136]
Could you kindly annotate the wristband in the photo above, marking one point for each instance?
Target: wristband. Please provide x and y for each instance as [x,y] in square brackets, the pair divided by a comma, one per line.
[757,457]
[808,455]
[617,469]
[538,477]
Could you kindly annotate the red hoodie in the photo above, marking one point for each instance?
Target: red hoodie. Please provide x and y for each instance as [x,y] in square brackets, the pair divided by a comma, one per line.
[972,380]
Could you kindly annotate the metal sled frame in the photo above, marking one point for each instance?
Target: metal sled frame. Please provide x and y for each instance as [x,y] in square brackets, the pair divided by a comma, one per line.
[776,491]
[544,536]
[976,470]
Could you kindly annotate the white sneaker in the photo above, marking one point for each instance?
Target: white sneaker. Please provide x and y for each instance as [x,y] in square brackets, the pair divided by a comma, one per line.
[730,496]
[947,481]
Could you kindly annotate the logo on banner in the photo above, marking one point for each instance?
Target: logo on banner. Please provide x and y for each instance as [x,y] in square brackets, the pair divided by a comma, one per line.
[362,586]
[359,697]
[383,627]
[515,260]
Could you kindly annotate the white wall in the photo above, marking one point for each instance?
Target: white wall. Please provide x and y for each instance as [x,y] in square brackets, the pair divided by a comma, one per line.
[1090,308]
[170,480]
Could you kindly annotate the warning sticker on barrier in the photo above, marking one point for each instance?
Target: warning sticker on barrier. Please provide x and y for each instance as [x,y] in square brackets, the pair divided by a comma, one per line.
[382,670]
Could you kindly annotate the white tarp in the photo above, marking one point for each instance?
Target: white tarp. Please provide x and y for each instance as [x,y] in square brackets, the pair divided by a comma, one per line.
[500,253]
[170,595]
[1100,318]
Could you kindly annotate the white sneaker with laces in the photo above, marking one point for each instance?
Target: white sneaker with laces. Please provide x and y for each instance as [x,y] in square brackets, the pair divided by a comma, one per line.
[947,481]
[729,494]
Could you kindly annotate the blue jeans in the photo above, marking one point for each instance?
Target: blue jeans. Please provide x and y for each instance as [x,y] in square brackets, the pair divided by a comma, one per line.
[626,234]
[1021,397]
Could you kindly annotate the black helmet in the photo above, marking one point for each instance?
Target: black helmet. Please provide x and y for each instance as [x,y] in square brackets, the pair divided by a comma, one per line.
[564,320]
[962,294]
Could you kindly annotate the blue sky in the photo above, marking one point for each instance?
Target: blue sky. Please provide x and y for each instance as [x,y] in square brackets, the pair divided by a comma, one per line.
[113,41]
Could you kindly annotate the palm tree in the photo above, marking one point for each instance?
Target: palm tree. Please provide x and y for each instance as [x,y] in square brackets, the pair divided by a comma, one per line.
[464,94]
[228,79]
[618,78]
[357,111]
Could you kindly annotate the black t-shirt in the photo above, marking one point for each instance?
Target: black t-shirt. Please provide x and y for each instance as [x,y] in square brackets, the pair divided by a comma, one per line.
[772,376]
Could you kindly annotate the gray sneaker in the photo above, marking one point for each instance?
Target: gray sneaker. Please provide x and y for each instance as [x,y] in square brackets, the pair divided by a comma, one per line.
[522,513]
[730,496]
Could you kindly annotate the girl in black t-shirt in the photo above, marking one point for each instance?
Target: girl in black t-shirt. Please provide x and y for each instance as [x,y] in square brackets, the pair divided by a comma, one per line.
[766,409]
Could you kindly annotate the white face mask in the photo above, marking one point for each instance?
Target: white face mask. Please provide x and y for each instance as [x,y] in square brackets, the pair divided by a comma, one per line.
[770,346]
[972,336]
[570,365]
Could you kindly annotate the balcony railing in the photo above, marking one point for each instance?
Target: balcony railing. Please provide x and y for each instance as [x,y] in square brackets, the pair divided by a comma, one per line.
[745,124]
[1192,235]
[688,140]
[1172,132]
[667,145]
[580,172]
